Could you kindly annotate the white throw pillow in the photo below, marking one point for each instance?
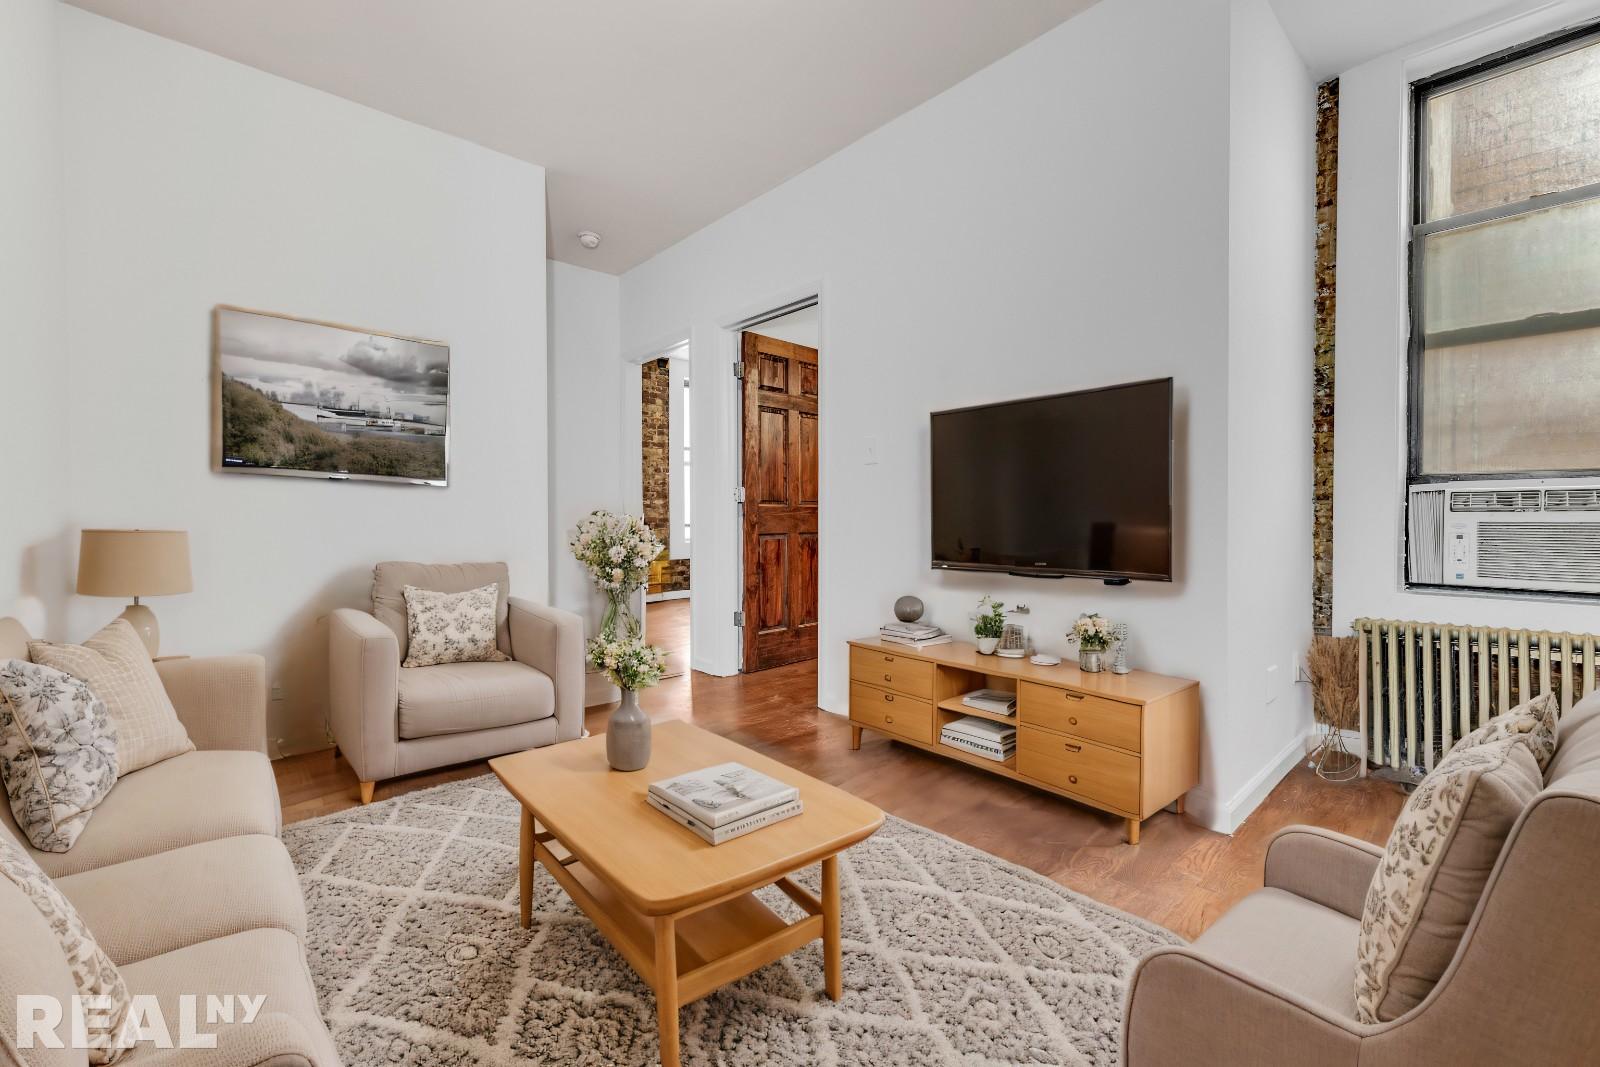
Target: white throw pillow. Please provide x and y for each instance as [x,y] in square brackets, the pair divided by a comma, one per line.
[117,667]
[451,627]
[93,973]
[58,752]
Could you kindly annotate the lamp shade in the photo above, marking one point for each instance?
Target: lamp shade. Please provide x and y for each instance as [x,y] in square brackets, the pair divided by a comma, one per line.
[134,563]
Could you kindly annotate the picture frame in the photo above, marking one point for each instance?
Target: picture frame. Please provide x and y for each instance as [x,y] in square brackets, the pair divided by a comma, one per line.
[307,398]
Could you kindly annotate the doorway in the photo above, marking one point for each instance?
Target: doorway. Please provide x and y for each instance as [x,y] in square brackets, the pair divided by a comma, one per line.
[665,480]
[779,438]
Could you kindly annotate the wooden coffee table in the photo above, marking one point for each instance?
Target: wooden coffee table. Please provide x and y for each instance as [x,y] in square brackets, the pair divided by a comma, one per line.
[680,911]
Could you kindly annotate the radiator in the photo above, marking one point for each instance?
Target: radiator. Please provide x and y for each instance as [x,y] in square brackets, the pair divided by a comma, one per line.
[1423,685]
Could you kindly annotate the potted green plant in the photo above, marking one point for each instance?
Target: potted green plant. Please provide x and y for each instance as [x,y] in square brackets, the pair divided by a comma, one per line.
[990,626]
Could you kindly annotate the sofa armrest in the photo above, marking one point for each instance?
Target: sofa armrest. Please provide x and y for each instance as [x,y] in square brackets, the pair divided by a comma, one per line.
[364,692]
[1185,1008]
[552,641]
[1322,866]
[221,700]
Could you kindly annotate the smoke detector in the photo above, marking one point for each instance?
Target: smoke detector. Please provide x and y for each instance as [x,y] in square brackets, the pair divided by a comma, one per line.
[588,239]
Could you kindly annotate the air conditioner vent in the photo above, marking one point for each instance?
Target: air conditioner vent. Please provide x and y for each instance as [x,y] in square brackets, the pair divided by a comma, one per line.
[1572,499]
[1540,551]
[1495,500]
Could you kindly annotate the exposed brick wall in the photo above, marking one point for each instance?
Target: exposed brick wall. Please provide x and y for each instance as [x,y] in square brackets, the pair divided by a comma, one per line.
[1322,375]
[655,400]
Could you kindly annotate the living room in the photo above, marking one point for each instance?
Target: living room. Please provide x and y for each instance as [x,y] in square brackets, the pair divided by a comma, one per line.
[470,229]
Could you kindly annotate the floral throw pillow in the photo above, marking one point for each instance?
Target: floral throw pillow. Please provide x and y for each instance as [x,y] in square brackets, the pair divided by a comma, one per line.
[1534,723]
[93,973]
[1438,861]
[451,627]
[58,752]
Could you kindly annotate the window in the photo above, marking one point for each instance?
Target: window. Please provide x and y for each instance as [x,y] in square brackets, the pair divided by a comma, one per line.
[1505,251]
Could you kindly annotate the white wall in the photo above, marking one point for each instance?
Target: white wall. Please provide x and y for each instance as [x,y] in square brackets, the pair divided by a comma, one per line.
[801,327]
[677,435]
[1271,221]
[586,432]
[190,181]
[1369,408]
[1057,221]
[32,362]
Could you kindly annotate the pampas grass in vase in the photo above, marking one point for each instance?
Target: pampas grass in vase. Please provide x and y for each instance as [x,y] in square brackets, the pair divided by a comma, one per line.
[1333,664]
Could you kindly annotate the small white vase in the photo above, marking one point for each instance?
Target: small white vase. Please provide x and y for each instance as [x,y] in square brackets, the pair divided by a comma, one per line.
[1091,660]
[987,645]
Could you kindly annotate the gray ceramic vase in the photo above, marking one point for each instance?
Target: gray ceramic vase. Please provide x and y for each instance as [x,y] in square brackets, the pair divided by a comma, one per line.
[628,735]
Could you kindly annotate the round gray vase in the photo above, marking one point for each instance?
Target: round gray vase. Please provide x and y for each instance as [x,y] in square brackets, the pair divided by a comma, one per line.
[628,735]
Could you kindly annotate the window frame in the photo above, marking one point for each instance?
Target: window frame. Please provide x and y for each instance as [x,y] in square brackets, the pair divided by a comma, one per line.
[1516,57]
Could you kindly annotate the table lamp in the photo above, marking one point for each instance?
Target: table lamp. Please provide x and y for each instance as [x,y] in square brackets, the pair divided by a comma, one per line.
[135,563]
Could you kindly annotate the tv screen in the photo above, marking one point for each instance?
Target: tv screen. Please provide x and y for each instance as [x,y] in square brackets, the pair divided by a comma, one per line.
[1074,484]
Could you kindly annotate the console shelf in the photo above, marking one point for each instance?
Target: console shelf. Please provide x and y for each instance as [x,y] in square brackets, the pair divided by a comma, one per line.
[1124,743]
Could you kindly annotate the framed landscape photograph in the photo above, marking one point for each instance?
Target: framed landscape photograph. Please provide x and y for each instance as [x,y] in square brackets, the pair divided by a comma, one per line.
[319,400]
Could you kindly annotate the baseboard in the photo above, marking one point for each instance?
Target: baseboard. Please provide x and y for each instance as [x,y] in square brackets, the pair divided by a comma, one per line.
[1247,799]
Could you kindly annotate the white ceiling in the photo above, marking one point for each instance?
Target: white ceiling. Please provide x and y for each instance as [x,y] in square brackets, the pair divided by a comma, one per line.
[653,119]
[1333,36]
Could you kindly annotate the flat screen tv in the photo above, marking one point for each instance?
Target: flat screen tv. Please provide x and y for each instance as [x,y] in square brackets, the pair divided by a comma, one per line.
[1075,484]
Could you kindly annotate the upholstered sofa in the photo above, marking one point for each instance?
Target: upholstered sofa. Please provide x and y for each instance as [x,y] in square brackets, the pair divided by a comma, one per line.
[389,720]
[1273,981]
[182,880]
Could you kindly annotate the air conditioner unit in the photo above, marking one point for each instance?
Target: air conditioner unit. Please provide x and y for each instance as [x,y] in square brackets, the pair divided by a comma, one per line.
[1538,535]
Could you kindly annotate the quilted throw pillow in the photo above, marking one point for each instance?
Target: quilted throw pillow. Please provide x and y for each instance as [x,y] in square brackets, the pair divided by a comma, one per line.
[1435,867]
[1534,723]
[93,973]
[117,667]
[451,627]
[58,752]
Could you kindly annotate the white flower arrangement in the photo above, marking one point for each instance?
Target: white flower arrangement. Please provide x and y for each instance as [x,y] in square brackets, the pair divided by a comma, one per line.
[627,661]
[1093,632]
[616,550]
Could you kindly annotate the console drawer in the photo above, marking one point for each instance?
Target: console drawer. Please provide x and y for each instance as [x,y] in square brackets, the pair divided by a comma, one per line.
[1082,767]
[885,670]
[892,713]
[1079,714]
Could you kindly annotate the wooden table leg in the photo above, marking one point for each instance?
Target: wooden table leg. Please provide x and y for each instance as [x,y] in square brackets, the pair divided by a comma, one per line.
[1178,804]
[1133,831]
[667,988]
[855,738]
[833,968]
[525,868]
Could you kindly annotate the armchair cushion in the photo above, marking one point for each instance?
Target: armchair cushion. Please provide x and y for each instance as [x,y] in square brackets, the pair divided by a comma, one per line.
[1285,941]
[457,698]
[389,600]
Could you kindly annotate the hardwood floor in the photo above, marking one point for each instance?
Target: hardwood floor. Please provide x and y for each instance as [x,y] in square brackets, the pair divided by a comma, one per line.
[666,623]
[1180,875]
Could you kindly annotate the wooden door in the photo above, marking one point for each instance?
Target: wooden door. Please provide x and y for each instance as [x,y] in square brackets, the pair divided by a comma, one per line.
[780,502]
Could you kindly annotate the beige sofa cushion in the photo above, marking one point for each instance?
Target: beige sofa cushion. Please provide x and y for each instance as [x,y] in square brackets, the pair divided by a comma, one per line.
[226,886]
[198,796]
[1438,860]
[390,579]
[267,962]
[1289,942]
[58,752]
[1535,723]
[93,973]
[462,697]
[451,627]
[117,667]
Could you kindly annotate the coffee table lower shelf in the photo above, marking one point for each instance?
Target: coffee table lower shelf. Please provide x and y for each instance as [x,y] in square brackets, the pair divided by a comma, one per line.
[686,955]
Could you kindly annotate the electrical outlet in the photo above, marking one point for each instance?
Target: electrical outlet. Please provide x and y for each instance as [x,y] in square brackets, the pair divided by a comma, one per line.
[1272,684]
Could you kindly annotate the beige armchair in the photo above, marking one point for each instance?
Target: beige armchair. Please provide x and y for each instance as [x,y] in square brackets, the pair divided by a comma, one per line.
[390,720]
[1273,981]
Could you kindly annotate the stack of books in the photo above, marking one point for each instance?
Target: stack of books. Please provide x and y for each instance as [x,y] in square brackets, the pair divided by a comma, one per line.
[996,700]
[913,634]
[981,737]
[724,802]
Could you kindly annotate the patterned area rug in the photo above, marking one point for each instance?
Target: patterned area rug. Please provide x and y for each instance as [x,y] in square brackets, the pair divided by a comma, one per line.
[951,956]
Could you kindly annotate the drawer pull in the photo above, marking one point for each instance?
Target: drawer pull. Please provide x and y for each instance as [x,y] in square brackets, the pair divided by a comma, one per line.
[888,698]
[888,677]
[1073,748]
[888,718]
[1072,696]
[1072,720]
[1073,778]
[888,659]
